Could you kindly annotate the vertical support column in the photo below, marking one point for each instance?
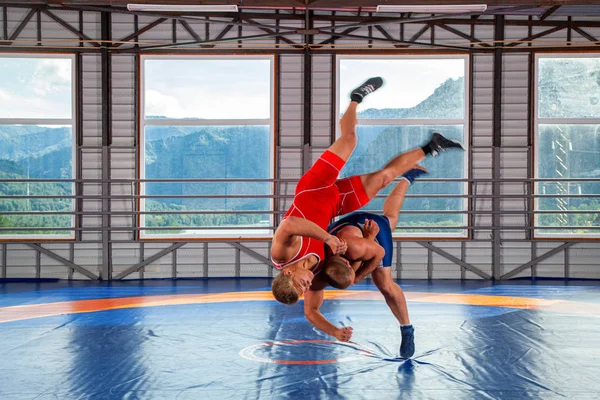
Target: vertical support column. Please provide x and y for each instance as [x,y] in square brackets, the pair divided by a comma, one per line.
[174,264]
[174,30]
[205,265]
[497,144]
[269,267]
[3,265]
[471,186]
[333,93]
[142,256]
[106,270]
[533,257]
[277,132]
[207,29]
[530,187]
[39,27]
[333,96]
[4,23]
[238,268]
[463,256]
[567,266]
[79,144]
[135,189]
[72,259]
[429,264]
[306,137]
[79,139]
[38,263]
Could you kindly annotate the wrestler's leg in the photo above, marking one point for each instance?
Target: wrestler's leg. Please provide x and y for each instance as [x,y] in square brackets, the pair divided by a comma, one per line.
[393,202]
[375,181]
[403,162]
[394,297]
[345,144]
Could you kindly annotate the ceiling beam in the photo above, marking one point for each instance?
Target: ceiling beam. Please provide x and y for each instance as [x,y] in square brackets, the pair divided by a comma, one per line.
[299,4]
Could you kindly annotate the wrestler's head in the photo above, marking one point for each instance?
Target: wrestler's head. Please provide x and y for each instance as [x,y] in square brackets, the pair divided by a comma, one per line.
[338,272]
[291,283]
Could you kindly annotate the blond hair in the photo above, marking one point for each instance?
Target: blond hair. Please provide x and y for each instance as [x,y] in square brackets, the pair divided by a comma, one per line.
[283,289]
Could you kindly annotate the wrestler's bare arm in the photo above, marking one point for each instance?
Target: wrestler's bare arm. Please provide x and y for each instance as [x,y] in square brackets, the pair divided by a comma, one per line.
[313,299]
[291,228]
[371,253]
[363,249]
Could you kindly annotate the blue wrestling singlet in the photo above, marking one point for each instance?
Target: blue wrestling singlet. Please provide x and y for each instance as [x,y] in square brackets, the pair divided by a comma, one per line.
[384,237]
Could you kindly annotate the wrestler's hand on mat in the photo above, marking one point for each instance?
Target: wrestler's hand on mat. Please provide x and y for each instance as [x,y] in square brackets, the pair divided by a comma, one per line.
[344,334]
[337,246]
[371,229]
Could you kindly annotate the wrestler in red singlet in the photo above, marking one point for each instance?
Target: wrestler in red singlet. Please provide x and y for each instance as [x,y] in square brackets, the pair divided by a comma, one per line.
[320,197]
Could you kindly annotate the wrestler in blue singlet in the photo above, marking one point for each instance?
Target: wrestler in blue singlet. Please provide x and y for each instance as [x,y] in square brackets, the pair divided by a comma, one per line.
[383,238]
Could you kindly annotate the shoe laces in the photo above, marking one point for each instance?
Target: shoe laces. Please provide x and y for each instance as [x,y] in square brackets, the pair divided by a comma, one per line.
[368,89]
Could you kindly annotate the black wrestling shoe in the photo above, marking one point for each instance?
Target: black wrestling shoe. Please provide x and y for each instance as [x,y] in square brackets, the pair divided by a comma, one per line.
[366,88]
[439,143]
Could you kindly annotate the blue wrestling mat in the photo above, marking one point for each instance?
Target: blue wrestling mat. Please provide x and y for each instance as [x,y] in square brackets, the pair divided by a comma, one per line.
[225,339]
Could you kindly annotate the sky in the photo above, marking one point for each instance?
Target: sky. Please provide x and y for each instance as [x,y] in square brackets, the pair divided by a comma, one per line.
[213,89]
[407,82]
[208,89]
[36,87]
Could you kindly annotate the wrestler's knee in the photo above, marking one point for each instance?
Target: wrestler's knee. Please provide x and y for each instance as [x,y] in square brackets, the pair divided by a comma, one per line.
[350,137]
[384,282]
[386,177]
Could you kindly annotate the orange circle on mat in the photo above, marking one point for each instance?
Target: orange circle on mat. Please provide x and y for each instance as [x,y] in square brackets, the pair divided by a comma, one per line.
[248,353]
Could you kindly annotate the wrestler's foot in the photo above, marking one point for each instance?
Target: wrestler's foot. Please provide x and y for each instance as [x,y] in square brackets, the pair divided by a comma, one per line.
[413,174]
[439,143]
[363,90]
[407,348]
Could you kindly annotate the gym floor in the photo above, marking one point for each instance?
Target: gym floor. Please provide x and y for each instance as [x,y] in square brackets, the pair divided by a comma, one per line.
[227,339]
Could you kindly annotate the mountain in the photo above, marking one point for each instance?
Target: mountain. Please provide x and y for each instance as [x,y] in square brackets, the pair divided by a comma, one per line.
[241,152]
[179,152]
[24,141]
[447,101]
[41,152]
[13,170]
[211,152]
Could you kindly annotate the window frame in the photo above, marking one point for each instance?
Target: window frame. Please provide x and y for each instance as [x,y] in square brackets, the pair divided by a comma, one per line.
[205,234]
[72,122]
[465,121]
[537,121]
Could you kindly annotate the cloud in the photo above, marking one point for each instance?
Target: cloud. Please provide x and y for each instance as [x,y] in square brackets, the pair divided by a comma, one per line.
[52,75]
[205,105]
[17,106]
[36,88]
[160,104]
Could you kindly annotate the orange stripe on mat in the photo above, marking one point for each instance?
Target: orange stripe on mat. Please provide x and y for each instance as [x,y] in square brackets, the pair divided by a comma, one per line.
[19,313]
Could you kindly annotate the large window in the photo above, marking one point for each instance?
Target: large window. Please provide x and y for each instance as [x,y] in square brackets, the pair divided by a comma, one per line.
[37,120]
[567,145]
[207,118]
[420,95]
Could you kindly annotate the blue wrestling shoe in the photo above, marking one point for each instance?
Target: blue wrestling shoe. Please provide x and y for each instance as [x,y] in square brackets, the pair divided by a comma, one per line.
[413,174]
[366,88]
[407,348]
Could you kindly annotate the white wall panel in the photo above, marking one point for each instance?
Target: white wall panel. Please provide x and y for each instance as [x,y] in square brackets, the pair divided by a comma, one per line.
[21,259]
[485,32]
